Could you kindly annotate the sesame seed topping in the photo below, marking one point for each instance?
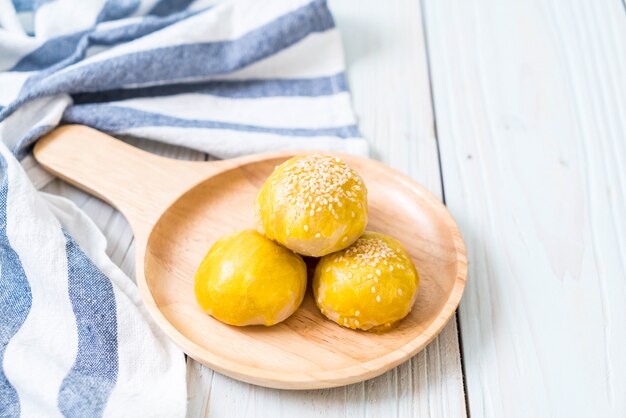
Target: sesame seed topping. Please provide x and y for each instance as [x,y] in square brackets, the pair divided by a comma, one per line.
[369,276]
[375,279]
[400,291]
[357,313]
[378,298]
[344,239]
[306,228]
[373,289]
[287,231]
[316,181]
[353,214]
[390,268]
[372,252]
[356,322]
[327,269]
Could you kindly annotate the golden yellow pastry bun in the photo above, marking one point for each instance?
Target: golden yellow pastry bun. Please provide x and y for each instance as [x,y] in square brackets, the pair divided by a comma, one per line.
[313,204]
[369,285]
[247,279]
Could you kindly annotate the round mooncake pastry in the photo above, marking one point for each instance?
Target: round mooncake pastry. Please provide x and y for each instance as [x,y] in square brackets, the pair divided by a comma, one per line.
[313,204]
[369,285]
[247,279]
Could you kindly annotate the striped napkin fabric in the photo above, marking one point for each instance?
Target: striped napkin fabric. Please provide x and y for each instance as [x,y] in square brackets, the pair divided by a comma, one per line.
[231,78]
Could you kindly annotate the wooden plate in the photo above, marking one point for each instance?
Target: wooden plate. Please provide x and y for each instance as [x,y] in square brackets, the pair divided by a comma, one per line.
[177,209]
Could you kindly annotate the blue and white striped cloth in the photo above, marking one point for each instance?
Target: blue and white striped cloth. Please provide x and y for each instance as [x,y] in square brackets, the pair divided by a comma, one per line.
[228,79]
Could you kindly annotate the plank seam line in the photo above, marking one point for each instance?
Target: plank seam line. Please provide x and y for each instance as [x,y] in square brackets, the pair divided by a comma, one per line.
[443,189]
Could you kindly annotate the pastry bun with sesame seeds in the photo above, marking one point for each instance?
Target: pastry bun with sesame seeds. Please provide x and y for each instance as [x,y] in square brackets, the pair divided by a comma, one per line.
[369,286]
[247,279]
[313,204]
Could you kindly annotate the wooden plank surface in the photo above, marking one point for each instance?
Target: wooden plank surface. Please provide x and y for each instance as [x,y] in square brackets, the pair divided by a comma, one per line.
[530,102]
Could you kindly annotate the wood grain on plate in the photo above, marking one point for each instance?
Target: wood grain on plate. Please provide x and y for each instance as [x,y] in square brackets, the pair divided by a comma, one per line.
[177,209]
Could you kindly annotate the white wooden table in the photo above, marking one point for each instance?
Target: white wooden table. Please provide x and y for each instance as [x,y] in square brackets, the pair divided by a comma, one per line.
[514,113]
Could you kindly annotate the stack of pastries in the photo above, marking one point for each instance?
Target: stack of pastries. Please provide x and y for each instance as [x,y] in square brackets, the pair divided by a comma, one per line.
[313,205]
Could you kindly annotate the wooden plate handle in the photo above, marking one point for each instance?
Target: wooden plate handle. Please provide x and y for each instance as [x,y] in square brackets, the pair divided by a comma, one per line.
[141,185]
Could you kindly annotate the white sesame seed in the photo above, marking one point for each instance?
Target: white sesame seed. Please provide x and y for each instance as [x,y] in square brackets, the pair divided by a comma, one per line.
[318,235]
[357,313]
[375,279]
[287,231]
[327,269]
[390,268]
[353,214]
[378,273]
[306,227]
[400,291]
[356,322]
[373,289]
[344,239]
[378,298]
